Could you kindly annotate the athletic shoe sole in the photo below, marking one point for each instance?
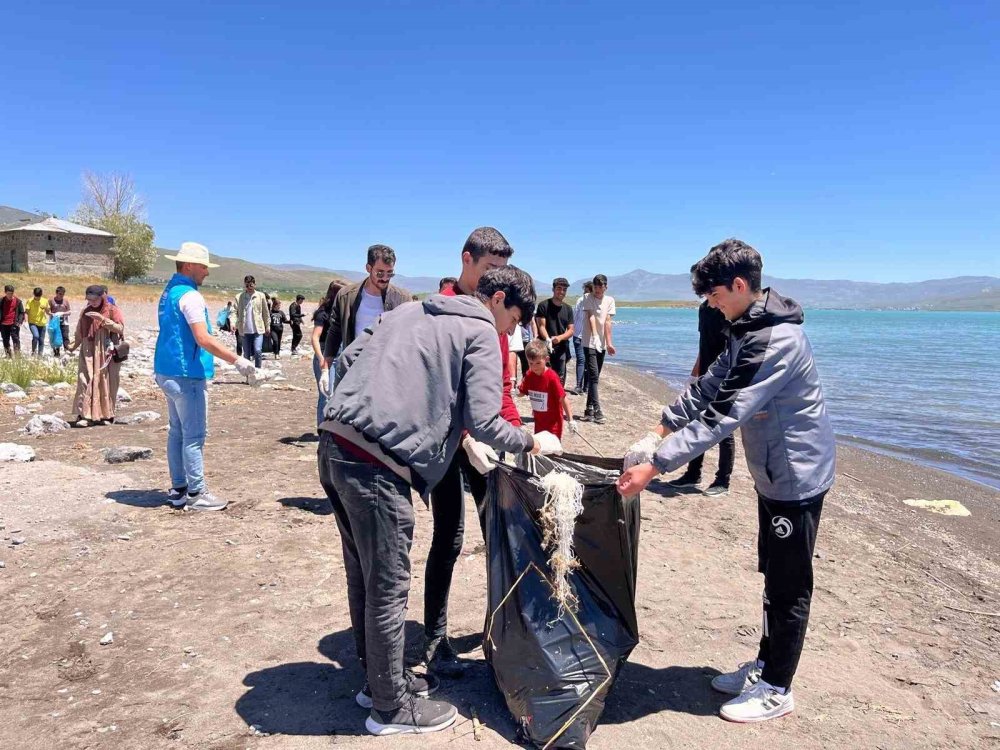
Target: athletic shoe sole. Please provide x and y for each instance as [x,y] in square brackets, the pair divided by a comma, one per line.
[384,730]
[365,701]
[778,713]
[716,492]
[205,507]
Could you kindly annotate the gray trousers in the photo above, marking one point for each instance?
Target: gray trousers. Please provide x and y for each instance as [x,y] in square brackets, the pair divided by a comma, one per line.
[375,518]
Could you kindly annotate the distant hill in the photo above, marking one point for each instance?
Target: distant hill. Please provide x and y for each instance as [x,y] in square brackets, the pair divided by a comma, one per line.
[959,293]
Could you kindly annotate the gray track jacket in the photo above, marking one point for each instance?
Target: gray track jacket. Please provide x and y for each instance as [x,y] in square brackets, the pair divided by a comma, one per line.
[766,383]
[423,374]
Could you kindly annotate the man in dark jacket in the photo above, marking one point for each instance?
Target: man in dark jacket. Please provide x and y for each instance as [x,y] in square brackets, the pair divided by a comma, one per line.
[11,318]
[406,390]
[296,316]
[359,305]
[766,383]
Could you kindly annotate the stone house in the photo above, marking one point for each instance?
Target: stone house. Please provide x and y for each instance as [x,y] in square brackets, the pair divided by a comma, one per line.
[29,242]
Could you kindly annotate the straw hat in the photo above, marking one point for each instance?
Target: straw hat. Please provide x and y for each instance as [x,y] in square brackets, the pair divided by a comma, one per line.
[192,252]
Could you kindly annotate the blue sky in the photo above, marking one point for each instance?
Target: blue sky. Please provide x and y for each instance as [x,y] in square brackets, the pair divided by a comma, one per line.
[846,140]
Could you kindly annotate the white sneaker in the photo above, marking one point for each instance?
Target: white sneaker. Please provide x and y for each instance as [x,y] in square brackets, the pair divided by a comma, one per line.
[760,703]
[736,683]
[205,501]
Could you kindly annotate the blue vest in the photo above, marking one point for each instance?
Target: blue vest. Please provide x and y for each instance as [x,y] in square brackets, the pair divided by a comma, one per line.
[177,353]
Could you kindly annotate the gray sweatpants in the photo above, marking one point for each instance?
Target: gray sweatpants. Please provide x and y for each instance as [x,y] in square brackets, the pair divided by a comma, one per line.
[375,517]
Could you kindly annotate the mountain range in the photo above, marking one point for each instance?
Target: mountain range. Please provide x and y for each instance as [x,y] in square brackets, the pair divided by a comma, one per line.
[959,293]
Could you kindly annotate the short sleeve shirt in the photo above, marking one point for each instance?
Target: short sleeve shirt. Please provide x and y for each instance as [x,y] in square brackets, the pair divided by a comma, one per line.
[558,318]
[322,319]
[546,393]
[604,310]
[193,307]
[37,311]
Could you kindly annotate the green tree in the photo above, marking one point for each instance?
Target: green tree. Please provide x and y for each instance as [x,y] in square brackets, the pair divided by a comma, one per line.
[110,202]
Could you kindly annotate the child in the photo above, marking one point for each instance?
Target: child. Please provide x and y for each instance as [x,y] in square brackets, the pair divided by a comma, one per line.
[543,387]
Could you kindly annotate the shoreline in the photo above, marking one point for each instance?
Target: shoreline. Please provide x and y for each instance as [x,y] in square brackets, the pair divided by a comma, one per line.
[887,450]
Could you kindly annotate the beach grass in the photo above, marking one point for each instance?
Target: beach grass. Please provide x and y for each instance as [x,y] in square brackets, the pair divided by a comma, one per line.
[23,370]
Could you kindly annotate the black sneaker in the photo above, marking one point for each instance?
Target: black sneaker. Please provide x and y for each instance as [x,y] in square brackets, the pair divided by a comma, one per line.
[599,419]
[177,496]
[717,489]
[442,659]
[415,716]
[685,480]
[421,686]
[587,416]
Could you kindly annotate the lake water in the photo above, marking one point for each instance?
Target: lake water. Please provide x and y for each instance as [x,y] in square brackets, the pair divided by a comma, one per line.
[920,385]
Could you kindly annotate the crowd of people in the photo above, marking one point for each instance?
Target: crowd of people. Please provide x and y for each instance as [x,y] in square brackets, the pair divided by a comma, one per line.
[420,396]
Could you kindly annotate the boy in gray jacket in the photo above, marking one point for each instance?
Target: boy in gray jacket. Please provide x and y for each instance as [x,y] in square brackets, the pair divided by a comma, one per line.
[406,390]
[766,383]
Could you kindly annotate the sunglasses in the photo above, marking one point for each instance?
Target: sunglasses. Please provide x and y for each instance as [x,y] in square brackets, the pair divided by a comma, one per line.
[383,274]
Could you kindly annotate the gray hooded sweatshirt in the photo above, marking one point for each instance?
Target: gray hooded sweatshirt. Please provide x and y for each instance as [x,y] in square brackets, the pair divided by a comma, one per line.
[423,374]
[766,383]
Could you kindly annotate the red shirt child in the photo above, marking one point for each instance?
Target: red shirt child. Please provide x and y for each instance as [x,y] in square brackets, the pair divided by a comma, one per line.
[548,397]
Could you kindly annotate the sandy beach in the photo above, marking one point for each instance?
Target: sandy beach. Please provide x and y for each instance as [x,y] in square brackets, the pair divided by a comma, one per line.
[230,630]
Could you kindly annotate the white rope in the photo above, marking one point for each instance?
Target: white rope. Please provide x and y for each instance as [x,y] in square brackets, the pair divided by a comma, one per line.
[563,503]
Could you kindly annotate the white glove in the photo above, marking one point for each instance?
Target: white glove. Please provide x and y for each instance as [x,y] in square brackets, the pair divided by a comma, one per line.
[548,443]
[573,427]
[244,366]
[324,382]
[481,456]
[642,451]
[549,345]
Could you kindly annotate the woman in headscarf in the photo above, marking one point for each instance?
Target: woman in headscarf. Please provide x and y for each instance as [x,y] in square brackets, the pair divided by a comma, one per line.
[100,327]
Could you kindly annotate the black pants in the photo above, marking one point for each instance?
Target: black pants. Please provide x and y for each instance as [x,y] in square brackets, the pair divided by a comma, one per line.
[276,340]
[448,511]
[523,358]
[727,457]
[10,334]
[595,363]
[560,353]
[296,335]
[785,542]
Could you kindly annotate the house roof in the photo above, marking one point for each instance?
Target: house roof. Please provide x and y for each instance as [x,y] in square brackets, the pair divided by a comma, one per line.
[16,216]
[56,225]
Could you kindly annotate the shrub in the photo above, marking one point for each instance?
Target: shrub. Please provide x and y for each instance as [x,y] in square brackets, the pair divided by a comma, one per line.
[22,370]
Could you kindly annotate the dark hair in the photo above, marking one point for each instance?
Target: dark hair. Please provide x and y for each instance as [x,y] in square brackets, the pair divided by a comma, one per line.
[248,279]
[514,283]
[487,241]
[299,296]
[445,281]
[723,264]
[536,348]
[588,286]
[560,281]
[600,280]
[60,290]
[8,288]
[326,304]
[37,291]
[275,302]
[382,253]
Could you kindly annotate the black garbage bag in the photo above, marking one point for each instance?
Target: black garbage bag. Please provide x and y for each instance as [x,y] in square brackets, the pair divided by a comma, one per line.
[555,672]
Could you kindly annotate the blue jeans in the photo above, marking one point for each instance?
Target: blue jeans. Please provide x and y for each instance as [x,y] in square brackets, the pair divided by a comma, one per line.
[581,364]
[187,406]
[37,339]
[253,344]
[321,397]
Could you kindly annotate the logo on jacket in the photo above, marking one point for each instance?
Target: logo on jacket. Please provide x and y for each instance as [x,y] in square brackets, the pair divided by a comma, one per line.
[782,527]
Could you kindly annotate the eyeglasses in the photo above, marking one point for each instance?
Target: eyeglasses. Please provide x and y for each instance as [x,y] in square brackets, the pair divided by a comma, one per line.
[383,274]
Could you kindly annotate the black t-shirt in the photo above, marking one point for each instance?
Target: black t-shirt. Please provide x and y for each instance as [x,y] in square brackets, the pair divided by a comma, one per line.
[278,319]
[295,313]
[713,335]
[557,318]
[322,319]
